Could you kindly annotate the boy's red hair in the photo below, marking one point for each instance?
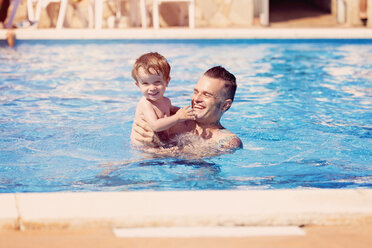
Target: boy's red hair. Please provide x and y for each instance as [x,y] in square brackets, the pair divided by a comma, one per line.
[151,63]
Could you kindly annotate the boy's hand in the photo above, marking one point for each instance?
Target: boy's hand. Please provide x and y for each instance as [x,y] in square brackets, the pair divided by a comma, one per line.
[185,114]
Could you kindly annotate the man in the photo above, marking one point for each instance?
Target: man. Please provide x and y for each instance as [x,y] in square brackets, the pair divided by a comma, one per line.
[213,95]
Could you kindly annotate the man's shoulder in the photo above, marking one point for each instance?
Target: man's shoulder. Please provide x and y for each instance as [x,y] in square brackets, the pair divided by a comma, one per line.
[228,140]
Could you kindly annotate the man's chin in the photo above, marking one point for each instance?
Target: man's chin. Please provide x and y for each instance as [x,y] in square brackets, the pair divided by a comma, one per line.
[197,116]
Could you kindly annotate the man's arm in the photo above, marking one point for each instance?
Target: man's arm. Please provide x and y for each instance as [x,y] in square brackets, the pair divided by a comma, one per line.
[233,142]
[229,141]
[144,134]
[197,149]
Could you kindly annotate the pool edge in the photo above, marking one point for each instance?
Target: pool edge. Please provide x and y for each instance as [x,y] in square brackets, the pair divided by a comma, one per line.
[199,33]
[186,208]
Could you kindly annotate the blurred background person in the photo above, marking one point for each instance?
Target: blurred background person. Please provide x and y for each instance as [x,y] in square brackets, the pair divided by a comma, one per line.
[3,11]
[4,6]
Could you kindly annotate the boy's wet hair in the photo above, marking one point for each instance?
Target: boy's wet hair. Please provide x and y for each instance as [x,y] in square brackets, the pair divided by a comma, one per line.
[152,63]
[218,72]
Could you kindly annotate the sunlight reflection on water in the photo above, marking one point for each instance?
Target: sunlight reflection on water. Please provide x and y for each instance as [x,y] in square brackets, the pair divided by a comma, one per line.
[303,111]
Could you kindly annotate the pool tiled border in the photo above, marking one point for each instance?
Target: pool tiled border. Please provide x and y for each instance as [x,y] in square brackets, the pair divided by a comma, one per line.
[185,208]
[182,33]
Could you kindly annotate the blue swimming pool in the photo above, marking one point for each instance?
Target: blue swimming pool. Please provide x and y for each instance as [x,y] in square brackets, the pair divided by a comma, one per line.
[303,110]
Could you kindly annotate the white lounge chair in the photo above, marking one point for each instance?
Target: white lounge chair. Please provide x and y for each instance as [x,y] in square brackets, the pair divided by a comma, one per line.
[191,9]
[96,12]
[42,4]
[264,15]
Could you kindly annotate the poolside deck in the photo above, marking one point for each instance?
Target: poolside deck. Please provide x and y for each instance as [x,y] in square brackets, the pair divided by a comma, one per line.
[344,236]
[327,218]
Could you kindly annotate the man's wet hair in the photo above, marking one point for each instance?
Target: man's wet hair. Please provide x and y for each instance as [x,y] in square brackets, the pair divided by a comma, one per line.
[218,72]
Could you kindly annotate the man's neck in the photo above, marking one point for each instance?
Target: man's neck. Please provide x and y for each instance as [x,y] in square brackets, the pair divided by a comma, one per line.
[206,130]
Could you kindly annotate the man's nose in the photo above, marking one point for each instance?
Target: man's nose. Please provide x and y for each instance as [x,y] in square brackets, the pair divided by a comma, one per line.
[198,97]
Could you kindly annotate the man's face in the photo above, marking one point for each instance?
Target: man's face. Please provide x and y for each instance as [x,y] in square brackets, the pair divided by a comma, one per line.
[208,100]
[152,86]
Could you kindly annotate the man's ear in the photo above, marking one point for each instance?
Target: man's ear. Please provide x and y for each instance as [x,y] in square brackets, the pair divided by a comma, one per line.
[227,104]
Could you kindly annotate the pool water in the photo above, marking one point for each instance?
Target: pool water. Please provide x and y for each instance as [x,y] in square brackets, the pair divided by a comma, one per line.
[303,110]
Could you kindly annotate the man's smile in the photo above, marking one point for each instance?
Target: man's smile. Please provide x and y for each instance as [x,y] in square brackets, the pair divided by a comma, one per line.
[197,106]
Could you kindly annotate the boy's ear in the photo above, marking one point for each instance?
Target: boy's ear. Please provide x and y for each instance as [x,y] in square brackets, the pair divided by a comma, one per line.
[227,104]
[167,81]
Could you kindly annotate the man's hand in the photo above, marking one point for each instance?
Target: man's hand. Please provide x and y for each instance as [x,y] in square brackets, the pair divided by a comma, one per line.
[145,134]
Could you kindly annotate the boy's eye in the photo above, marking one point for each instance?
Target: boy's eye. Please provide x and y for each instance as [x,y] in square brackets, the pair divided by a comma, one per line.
[157,83]
[145,84]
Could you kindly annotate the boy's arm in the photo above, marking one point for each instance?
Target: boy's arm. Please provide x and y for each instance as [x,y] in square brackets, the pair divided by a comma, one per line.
[164,123]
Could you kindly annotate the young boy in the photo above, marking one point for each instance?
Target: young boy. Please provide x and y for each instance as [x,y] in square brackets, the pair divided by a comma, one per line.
[151,72]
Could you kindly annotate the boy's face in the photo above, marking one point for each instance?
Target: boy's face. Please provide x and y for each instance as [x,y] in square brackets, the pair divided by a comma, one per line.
[152,86]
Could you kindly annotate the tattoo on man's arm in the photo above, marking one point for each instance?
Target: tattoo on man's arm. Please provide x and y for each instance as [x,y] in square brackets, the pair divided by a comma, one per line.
[230,143]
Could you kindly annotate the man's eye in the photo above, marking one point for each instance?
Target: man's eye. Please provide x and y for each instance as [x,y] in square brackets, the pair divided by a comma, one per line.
[207,94]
